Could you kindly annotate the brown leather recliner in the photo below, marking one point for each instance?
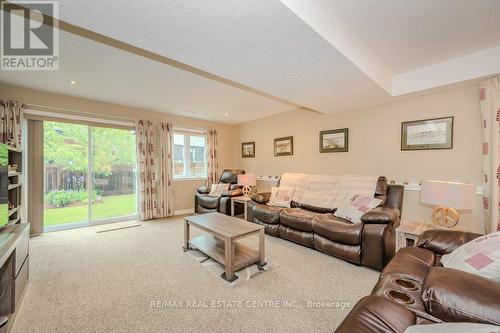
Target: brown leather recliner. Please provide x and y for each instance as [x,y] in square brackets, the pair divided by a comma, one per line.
[415,289]
[370,243]
[207,204]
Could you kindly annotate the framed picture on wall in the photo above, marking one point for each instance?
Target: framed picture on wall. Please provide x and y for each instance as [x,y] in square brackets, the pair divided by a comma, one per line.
[248,149]
[427,134]
[283,146]
[334,141]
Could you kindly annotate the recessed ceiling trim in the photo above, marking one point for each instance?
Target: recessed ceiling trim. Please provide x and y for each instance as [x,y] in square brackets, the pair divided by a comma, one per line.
[469,67]
[476,65]
[317,18]
[103,39]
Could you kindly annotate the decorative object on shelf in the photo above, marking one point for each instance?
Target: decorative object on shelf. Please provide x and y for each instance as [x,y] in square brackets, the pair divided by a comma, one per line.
[283,146]
[13,168]
[248,149]
[427,134]
[11,205]
[447,197]
[334,141]
[247,181]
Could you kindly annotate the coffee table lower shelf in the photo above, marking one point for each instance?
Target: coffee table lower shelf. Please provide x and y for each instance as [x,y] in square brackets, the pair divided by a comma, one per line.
[213,247]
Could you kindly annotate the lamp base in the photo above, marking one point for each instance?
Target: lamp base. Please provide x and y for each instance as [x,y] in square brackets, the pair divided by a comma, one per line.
[247,190]
[444,216]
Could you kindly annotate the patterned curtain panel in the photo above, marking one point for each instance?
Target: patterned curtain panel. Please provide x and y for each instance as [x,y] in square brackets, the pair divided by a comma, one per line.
[12,115]
[154,152]
[490,114]
[212,158]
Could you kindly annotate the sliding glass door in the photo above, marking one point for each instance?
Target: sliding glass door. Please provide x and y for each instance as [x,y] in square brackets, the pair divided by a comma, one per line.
[66,158]
[89,175]
[113,162]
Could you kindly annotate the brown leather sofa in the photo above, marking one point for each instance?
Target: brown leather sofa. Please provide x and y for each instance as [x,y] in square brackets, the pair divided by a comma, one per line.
[370,243]
[415,289]
[206,204]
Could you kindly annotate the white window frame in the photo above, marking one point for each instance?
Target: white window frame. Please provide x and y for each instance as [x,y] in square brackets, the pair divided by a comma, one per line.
[187,132]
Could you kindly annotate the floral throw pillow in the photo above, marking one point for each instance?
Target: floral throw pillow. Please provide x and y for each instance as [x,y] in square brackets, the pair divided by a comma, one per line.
[281,196]
[218,189]
[356,207]
[480,256]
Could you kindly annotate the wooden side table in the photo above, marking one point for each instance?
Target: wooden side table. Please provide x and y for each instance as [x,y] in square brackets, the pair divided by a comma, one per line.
[407,233]
[243,200]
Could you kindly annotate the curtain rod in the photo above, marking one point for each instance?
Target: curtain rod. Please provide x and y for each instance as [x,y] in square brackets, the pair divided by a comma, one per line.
[111,118]
[77,112]
[189,129]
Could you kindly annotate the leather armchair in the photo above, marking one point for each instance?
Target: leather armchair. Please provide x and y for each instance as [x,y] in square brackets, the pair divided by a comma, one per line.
[442,242]
[206,204]
[366,317]
[458,296]
[436,294]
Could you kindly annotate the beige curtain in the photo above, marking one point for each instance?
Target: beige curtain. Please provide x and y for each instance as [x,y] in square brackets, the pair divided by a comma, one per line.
[11,116]
[35,176]
[212,157]
[490,114]
[154,152]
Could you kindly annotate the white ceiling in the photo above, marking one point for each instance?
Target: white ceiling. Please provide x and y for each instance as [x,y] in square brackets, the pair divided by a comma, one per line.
[408,34]
[326,55]
[108,74]
[407,45]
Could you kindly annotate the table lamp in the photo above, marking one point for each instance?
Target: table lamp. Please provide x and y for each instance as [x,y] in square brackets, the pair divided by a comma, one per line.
[447,197]
[247,181]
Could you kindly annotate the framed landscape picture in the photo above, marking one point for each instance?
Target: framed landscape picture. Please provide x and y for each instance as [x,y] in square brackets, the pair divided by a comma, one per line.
[334,141]
[283,146]
[248,149]
[427,134]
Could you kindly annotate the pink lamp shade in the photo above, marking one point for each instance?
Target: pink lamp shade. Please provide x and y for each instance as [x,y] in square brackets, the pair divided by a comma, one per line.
[247,180]
[448,194]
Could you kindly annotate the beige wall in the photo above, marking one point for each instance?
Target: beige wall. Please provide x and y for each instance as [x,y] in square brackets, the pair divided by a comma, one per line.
[374,142]
[184,190]
[374,146]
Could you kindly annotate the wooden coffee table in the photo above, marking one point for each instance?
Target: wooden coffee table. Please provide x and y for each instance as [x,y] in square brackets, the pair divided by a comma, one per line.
[220,241]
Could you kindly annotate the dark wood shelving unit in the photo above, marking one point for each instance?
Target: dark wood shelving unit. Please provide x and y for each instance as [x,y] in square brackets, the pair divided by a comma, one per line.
[15,186]
[14,252]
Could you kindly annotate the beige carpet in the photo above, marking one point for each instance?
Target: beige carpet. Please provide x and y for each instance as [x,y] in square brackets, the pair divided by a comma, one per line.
[139,280]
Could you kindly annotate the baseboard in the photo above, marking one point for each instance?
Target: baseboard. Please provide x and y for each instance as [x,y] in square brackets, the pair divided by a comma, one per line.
[184,211]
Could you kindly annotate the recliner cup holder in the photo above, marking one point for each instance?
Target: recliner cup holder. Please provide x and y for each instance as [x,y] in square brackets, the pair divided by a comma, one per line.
[405,284]
[400,297]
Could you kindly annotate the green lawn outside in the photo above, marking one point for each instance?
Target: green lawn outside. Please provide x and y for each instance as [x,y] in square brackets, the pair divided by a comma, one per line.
[112,206]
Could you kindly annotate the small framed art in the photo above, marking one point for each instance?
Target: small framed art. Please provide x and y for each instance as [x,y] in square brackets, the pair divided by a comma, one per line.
[283,146]
[248,149]
[334,141]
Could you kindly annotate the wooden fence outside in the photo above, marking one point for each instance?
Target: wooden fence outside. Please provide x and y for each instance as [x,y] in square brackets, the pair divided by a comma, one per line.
[121,180]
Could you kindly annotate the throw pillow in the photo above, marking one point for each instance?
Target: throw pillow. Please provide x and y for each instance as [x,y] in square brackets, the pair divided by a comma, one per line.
[281,196]
[218,189]
[452,327]
[356,207]
[480,256]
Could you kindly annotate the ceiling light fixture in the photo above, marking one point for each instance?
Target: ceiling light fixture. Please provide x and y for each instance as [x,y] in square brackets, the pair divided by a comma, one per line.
[226,114]
[72,82]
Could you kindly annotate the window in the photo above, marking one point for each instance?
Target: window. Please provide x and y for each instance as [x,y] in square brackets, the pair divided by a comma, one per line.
[189,155]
